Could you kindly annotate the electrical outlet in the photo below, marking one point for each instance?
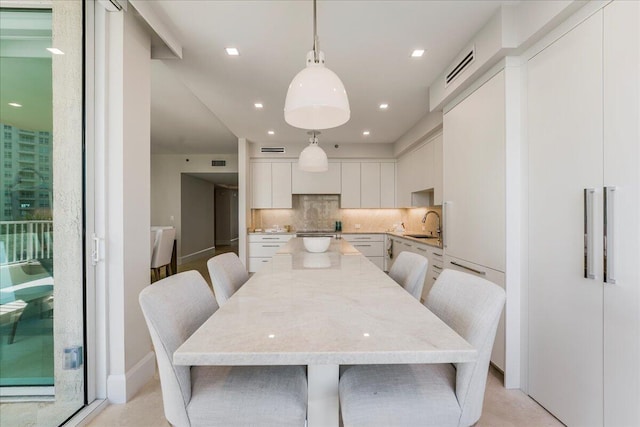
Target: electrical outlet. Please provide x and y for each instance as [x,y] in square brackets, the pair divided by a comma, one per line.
[357,226]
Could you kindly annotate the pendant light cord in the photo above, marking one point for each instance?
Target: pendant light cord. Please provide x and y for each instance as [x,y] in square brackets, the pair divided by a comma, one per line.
[316,43]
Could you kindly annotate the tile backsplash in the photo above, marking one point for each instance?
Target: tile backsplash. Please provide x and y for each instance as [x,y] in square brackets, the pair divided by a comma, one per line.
[320,212]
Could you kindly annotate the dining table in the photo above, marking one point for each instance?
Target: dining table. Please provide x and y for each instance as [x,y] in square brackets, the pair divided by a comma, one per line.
[322,310]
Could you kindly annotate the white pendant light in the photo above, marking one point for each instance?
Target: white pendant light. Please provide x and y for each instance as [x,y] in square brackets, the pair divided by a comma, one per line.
[316,98]
[313,158]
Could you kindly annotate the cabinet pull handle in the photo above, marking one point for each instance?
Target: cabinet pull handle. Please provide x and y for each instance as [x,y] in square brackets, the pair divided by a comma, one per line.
[270,238]
[362,238]
[437,254]
[588,233]
[609,241]
[437,268]
[362,246]
[480,272]
[421,249]
[434,277]
[270,246]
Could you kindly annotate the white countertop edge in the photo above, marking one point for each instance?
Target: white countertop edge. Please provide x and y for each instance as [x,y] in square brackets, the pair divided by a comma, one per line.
[328,358]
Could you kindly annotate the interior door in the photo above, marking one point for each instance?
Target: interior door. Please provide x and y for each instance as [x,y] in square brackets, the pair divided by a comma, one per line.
[565,154]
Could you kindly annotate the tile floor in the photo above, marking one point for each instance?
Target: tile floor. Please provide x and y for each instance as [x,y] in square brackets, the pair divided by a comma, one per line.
[502,408]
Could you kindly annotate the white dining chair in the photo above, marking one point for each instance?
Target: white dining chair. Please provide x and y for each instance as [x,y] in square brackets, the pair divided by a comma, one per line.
[409,271]
[227,274]
[163,251]
[437,395]
[214,395]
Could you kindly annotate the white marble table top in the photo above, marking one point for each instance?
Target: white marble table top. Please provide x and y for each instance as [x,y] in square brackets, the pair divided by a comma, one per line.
[331,308]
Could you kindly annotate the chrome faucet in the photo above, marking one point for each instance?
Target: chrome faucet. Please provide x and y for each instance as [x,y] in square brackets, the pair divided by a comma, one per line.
[438,229]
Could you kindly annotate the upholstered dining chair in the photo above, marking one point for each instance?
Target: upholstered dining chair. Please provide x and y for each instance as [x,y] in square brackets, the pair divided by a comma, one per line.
[409,271]
[163,251]
[227,274]
[214,395]
[435,394]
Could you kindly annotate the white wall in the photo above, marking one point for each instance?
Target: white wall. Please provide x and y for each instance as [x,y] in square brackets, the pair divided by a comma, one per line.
[428,126]
[166,170]
[197,209]
[131,362]
[356,150]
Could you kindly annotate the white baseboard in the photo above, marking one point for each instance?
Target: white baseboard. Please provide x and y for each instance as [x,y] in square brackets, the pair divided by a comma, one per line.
[122,387]
[208,252]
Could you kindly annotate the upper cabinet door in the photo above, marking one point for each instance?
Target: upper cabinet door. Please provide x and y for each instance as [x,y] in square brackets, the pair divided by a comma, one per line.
[387,185]
[281,185]
[260,185]
[370,185]
[474,176]
[350,193]
[328,182]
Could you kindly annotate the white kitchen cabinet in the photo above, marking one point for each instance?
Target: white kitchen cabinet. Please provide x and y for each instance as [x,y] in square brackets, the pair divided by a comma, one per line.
[262,247]
[281,185]
[370,185]
[260,185]
[584,317]
[387,185]
[437,171]
[474,176]
[350,192]
[328,182]
[271,185]
[370,245]
[497,277]
[417,175]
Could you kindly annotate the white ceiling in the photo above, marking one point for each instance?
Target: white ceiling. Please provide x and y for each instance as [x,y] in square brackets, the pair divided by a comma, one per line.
[203,102]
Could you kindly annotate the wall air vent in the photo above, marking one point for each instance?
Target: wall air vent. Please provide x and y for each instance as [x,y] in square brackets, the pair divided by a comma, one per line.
[272,149]
[457,68]
[218,163]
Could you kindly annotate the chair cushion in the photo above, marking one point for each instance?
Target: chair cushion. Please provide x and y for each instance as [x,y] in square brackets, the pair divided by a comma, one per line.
[248,396]
[399,395]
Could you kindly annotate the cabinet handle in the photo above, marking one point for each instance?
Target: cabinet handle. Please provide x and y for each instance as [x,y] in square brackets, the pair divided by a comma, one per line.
[434,277]
[361,246]
[362,238]
[438,268]
[421,249]
[407,245]
[480,272]
[270,246]
[588,233]
[265,260]
[609,241]
[437,254]
[270,238]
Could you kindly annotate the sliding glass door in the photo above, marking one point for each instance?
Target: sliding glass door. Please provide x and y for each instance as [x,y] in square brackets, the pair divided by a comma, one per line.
[42,370]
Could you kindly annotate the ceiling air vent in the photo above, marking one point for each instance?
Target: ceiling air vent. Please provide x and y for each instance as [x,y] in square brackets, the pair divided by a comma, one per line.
[218,163]
[272,149]
[456,69]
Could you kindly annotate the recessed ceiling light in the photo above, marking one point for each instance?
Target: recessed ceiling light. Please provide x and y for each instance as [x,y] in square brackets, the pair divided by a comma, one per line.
[366,133]
[232,51]
[15,104]
[258,105]
[417,53]
[55,51]
[384,106]
[271,132]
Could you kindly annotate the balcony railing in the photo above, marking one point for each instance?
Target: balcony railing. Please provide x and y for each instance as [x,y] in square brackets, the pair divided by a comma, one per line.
[22,241]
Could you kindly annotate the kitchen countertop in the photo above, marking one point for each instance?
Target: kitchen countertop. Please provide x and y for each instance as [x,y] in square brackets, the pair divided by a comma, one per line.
[430,242]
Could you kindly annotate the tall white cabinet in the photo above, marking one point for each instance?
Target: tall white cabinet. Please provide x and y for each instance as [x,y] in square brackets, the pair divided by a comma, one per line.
[584,272]
[475,193]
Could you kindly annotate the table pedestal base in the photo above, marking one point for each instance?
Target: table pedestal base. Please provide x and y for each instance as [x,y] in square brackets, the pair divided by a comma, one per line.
[323,403]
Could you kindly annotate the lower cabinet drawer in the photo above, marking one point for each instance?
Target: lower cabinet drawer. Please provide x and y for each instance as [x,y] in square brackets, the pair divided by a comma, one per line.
[256,264]
[264,249]
[370,249]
